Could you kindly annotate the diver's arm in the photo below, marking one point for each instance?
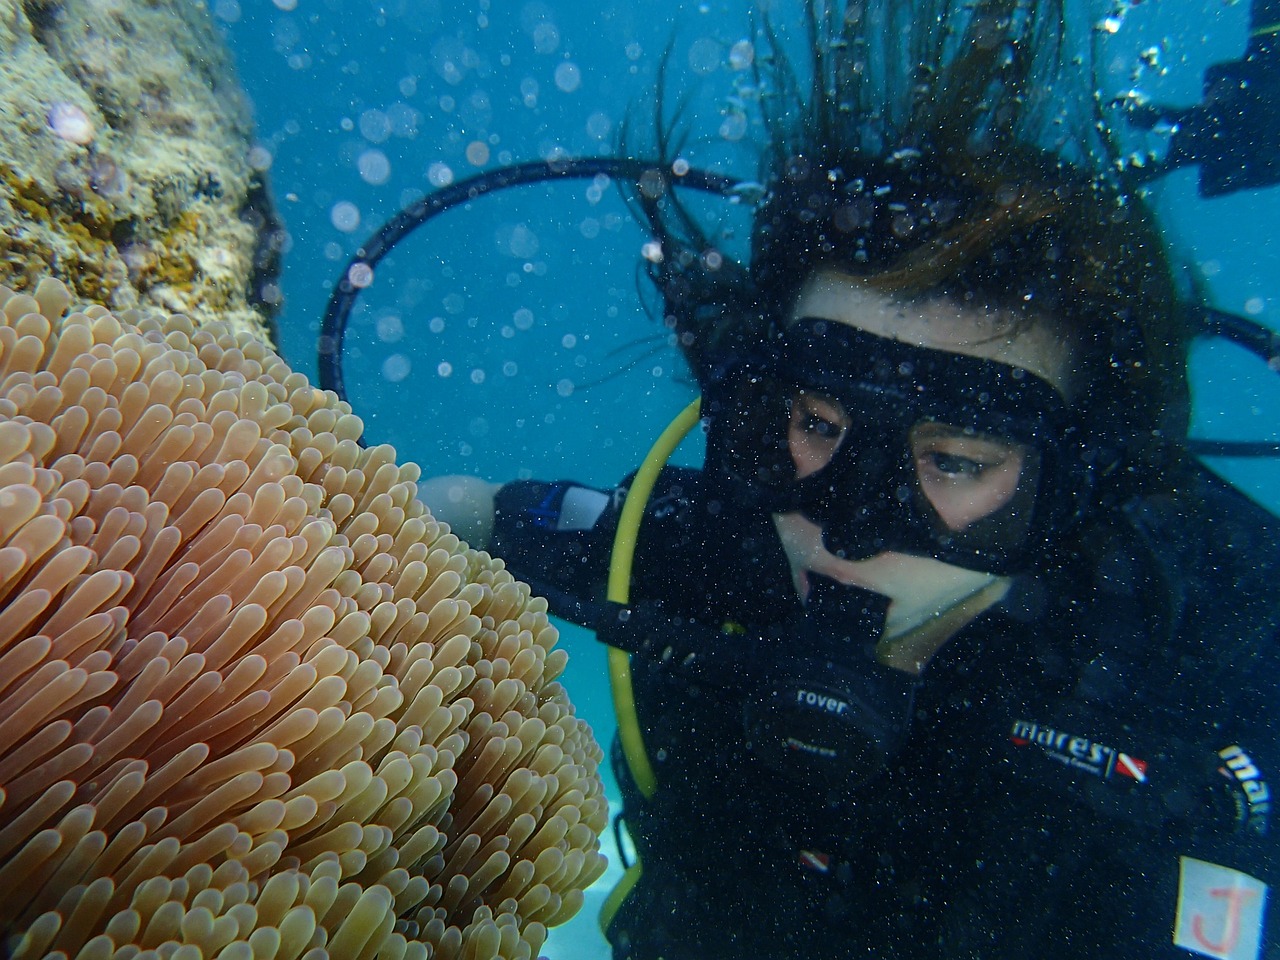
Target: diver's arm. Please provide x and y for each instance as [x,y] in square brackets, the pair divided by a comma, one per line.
[465,503]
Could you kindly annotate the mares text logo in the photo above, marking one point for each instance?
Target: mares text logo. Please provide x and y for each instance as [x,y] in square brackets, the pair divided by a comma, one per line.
[1255,809]
[1079,753]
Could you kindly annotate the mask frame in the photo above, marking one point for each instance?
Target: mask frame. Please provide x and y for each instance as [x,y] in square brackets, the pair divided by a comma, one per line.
[888,387]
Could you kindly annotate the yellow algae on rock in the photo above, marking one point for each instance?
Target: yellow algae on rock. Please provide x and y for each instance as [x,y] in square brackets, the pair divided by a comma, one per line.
[125,161]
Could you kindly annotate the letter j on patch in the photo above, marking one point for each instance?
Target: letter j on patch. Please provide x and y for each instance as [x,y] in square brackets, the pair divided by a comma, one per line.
[1220,911]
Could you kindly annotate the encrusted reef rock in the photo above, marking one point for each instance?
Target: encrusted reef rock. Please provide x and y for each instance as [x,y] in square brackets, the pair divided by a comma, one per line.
[126,161]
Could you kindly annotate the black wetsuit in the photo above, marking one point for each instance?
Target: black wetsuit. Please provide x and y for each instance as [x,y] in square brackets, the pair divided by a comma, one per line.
[1074,753]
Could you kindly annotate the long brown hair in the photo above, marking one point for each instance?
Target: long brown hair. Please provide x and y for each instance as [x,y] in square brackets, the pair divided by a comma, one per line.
[954,149]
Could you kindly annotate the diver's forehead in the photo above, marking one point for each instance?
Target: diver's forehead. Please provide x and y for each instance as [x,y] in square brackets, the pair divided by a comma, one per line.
[936,324]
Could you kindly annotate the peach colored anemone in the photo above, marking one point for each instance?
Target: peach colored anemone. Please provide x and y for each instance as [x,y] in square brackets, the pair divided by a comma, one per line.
[254,701]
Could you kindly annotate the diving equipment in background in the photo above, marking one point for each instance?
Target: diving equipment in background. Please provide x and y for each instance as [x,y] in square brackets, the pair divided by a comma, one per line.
[685,275]
[1233,134]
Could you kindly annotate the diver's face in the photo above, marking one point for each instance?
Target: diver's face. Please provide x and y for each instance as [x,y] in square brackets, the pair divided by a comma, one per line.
[965,475]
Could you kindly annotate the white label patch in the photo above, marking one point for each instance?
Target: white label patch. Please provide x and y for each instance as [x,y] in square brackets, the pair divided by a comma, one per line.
[1219,911]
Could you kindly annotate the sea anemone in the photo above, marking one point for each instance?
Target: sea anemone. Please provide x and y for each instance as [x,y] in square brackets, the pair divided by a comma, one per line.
[254,701]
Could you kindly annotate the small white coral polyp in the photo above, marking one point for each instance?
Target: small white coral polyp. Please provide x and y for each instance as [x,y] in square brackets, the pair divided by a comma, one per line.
[254,700]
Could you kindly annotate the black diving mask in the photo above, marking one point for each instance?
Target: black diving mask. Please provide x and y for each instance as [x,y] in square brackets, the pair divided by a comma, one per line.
[894,447]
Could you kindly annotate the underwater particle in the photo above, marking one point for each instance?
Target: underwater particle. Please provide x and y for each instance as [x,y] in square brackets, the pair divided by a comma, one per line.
[436,325]
[652,184]
[523,318]
[375,126]
[568,76]
[477,153]
[360,275]
[680,166]
[477,376]
[633,51]
[106,178]
[404,120]
[227,11]
[510,369]
[599,125]
[546,37]
[589,228]
[439,174]
[69,122]
[733,127]
[741,55]
[704,56]
[1253,306]
[652,251]
[520,241]
[374,167]
[345,216]
[390,328]
[395,368]
[568,341]
[286,5]
[454,303]
[529,92]
[564,387]
[260,158]
[444,368]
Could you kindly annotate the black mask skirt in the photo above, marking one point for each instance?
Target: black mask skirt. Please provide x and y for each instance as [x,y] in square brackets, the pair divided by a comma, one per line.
[974,462]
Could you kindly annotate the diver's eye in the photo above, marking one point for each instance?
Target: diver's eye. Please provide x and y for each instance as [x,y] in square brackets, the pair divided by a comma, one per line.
[818,426]
[954,465]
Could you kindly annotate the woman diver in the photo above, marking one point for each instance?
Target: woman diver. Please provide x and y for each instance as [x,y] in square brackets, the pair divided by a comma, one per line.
[950,649]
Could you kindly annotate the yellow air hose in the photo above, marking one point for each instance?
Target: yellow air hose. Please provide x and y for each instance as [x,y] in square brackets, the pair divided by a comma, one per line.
[619,591]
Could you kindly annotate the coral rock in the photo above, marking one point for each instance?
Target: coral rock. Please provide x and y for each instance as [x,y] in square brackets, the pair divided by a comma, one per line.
[125,162]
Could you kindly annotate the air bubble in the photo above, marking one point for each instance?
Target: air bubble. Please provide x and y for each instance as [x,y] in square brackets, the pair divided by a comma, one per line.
[568,76]
[704,56]
[360,275]
[395,368]
[345,215]
[439,174]
[375,126]
[374,167]
[390,328]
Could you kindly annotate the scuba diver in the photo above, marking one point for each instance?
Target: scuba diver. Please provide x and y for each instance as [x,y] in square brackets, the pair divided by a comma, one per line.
[952,648]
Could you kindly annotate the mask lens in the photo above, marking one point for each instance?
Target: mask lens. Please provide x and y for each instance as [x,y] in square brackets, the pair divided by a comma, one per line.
[817,426]
[964,475]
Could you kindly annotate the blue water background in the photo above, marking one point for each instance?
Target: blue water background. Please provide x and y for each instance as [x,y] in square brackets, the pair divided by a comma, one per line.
[511,338]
